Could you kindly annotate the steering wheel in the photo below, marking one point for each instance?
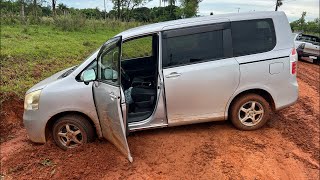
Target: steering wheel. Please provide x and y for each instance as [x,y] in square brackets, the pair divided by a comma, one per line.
[124,74]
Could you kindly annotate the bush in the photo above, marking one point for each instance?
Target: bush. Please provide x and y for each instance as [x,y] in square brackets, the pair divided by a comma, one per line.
[70,23]
[10,19]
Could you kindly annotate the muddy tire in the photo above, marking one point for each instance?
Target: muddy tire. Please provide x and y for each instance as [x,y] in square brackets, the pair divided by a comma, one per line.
[249,112]
[71,131]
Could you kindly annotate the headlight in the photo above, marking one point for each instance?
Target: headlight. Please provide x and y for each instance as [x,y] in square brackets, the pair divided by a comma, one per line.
[31,101]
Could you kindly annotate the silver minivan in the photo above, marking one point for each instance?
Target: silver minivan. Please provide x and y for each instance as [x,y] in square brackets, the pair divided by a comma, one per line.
[240,67]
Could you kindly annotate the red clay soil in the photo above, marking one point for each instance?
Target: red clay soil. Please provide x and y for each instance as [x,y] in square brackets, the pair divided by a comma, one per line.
[10,117]
[286,148]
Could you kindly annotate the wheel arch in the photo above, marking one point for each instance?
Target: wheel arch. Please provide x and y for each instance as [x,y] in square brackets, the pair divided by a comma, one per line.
[54,118]
[263,93]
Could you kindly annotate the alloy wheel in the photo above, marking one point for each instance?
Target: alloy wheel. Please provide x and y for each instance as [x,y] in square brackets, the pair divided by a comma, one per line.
[251,113]
[70,135]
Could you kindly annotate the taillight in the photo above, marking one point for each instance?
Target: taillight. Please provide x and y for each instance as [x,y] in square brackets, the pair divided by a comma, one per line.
[293,61]
[294,67]
[293,52]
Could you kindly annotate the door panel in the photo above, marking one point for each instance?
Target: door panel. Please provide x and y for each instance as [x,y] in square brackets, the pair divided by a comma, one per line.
[107,99]
[107,95]
[312,49]
[200,92]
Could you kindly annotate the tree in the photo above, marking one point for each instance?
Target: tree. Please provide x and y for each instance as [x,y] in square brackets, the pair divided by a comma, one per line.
[54,2]
[62,7]
[172,2]
[313,26]
[35,9]
[22,13]
[131,4]
[278,4]
[117,6]
[190,7]
[105,11]
[300,23]
[302,20]
[164,2]
[124,7]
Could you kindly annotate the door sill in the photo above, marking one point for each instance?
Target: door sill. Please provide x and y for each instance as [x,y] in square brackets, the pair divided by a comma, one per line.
[147,127]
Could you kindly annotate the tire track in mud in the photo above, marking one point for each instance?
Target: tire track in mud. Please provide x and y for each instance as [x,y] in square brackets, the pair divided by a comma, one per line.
[297,131]
[300,123]
[310,74]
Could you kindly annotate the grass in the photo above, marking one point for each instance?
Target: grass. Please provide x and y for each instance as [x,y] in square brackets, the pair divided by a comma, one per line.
[137,48]
[30,54]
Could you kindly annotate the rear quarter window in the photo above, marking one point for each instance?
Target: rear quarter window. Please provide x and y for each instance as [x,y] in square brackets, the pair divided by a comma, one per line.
[252,36]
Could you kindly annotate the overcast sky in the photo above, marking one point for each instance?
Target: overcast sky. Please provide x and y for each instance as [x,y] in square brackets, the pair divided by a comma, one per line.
[293,8]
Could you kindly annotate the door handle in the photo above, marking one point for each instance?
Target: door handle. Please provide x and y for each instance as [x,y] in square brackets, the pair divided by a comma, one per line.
[173,75]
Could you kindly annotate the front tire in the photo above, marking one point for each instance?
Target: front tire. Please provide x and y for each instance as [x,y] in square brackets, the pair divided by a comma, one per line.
[250,112]
[71,131]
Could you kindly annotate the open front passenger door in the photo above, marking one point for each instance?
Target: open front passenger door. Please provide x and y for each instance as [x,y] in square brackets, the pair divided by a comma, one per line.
[107,91]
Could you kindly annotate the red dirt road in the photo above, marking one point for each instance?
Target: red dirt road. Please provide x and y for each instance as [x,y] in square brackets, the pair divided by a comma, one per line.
[286,148]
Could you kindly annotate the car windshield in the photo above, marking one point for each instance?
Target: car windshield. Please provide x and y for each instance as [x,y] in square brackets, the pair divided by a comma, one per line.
[308,38]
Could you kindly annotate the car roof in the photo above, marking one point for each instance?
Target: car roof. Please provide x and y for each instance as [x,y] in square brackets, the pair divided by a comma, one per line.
[180,23]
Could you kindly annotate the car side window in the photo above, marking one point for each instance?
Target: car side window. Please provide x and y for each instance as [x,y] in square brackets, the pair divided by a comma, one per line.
[108,62]
[252,36]
[137,48]
[192,48]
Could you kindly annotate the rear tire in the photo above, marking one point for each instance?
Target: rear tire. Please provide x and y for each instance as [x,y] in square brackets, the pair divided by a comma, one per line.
[249,112]
[71,131]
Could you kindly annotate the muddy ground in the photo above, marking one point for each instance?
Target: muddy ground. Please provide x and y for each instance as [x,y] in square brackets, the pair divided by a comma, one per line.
[286,148]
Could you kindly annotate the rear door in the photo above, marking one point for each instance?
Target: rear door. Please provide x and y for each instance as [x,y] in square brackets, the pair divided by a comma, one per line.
[107,95]
[200,74]
[312,49]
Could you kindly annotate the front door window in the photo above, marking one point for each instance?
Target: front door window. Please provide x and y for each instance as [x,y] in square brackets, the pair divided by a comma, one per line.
[108,68]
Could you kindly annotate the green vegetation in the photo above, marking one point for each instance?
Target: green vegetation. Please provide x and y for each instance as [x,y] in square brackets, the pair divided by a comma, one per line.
[29,53]
[124,10]
[311,27]
[141,47]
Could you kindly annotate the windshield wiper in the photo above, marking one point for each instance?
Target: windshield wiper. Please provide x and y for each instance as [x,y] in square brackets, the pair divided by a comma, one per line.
[65,74]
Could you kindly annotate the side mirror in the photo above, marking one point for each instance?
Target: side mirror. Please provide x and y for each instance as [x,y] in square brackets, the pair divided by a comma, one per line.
[88,76]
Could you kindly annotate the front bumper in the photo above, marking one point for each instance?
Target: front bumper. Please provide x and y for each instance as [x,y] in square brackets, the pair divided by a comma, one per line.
[35,126]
